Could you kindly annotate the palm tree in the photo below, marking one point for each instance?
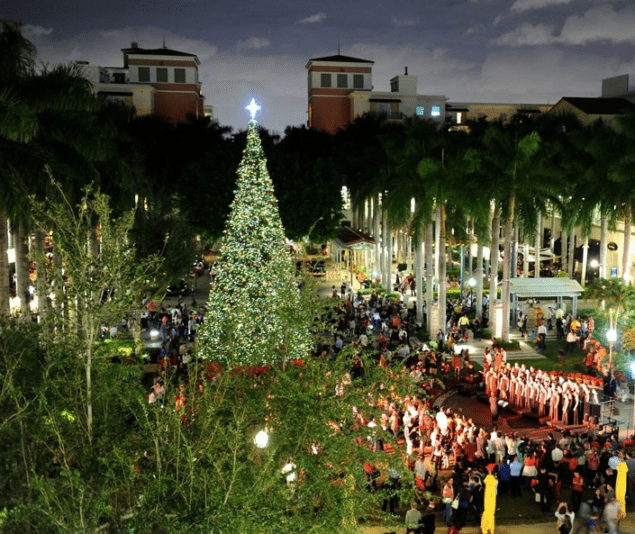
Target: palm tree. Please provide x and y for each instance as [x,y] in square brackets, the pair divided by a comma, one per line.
[623,176]
[519,192]
[419,138]
[49,120]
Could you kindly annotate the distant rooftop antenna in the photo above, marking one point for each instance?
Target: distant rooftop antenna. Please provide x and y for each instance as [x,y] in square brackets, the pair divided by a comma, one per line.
[339,51]
[163,39]
[406,74]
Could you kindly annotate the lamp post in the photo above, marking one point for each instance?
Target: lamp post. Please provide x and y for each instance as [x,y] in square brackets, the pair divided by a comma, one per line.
[471,282]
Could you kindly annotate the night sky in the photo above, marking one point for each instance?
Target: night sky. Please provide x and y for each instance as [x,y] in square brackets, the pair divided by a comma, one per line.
[525,51]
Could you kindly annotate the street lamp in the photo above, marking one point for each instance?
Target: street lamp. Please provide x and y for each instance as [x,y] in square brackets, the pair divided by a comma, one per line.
[261,440]
[471,282]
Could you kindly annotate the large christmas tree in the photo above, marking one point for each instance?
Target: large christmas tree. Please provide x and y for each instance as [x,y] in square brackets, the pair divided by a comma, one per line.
[252,309]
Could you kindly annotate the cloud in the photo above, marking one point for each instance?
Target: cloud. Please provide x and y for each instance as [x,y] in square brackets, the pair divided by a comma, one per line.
[404,22]
[526,5]
[601,23]
[30,32]
[103,47]
[528,35]
[318,17]
[253,43]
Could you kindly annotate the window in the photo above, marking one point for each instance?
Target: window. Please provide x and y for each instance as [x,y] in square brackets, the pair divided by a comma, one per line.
[179,75]
[358,81]
[144,74]
[342,81]
[435,111]
[119,77]
[382,108]
[325,80]
[421,111]
[459,117]
[162,74]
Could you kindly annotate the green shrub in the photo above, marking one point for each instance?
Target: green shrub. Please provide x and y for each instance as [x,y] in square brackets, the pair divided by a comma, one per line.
[423,335]
[487,333]
[513,344]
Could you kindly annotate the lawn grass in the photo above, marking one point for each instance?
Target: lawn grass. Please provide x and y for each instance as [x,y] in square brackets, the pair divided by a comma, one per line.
[573,361]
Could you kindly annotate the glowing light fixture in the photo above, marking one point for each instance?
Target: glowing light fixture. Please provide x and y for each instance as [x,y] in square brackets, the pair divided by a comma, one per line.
[261,440]
[253,108]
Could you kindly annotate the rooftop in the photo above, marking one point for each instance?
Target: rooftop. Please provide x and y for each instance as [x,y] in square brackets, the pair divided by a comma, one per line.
[339,58]
[155,52]
[600,106]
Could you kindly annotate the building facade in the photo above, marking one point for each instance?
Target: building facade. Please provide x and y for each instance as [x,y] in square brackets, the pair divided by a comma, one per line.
[340,89]
[156,81]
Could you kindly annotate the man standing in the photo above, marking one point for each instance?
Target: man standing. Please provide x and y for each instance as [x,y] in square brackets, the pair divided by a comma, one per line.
[516,468]
[493,406]
[612,514]
[542,338]
[413,520]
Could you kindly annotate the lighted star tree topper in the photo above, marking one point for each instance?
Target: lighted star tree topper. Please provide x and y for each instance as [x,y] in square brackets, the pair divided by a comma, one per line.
[252,312]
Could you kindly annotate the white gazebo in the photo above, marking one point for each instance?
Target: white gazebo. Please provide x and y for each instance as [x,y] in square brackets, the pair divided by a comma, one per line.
[546,288]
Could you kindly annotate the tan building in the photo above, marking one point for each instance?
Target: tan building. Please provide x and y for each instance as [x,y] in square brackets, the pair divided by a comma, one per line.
[589,110]
[157,81]
[340,89]
[458,114]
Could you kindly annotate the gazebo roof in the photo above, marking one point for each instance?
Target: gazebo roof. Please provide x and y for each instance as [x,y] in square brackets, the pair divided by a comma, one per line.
[349,238]
[545,287]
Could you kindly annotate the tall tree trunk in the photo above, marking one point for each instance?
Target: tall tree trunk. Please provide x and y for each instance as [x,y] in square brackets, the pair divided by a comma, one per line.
[493,258]
[470,255]
[538,247]
[507,266]
[604,231]
[626,256]
[571,254]
[442,264]
[419,276]
[526,259]
[479,280]
[437,245]
[22,268]
[5,295]
[377,237]
[564,250]
[40,283]
[585,257]
[387,251]
[429,277]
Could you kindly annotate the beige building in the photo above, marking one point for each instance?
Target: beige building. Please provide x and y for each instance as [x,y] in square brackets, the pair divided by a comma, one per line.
[340,89]
[458,114]
[156,81]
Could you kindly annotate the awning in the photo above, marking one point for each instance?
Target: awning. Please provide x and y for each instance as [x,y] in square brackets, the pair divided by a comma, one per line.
[545,287]
[351,239]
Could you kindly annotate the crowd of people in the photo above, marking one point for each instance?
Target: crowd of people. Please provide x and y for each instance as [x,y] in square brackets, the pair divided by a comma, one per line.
[564,400]
[449,455]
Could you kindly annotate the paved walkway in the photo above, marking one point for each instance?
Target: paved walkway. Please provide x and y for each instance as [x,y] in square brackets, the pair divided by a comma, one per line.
[626,526]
